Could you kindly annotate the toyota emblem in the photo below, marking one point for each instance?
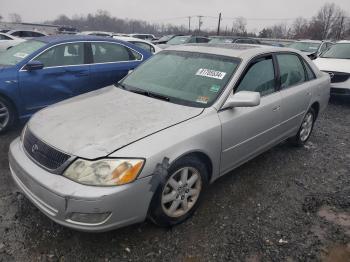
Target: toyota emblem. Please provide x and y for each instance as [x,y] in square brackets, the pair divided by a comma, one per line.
[331,75]
[35,148]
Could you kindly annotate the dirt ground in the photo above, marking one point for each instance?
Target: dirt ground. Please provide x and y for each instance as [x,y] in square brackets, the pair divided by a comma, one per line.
[289,204]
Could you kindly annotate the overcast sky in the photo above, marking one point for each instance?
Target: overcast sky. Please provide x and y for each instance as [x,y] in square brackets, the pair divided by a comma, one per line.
[259,13]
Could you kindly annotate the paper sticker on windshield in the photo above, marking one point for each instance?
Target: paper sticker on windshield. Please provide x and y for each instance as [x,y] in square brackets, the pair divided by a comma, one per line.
[214,88]
[210,73]
[202,99]
[20,55]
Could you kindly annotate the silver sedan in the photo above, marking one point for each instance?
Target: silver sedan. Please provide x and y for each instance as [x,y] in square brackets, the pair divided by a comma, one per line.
[149,146]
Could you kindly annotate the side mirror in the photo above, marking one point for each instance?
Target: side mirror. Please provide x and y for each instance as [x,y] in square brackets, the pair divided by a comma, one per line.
[313,56]
[34,65]
[242,99]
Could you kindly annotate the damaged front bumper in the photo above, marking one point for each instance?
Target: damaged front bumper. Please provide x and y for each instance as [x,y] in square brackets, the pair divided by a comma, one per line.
[81,207]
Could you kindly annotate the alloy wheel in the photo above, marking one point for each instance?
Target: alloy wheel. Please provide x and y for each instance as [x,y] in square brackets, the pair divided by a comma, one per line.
[181,192]
[4,115]
[306,127]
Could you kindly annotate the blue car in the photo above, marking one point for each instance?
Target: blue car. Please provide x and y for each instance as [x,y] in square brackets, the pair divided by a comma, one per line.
[41,72]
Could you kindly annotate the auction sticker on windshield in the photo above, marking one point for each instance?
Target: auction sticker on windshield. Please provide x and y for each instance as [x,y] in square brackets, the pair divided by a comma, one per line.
[202,99]
[210,73]
[20,55]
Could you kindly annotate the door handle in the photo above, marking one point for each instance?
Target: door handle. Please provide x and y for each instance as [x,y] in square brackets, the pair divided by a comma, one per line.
[276,108]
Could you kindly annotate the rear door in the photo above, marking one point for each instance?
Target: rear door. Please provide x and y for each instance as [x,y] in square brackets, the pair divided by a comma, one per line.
[65,74]
[247,131]
[111,62]
[295,91]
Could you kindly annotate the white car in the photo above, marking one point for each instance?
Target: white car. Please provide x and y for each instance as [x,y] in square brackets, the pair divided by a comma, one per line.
[25,33]
[8,41]
[336,62]
[140,43]
[148,37]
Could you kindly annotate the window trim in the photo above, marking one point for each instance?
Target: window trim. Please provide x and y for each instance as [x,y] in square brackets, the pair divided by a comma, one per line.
[246,69]
[84,42]
[278,66]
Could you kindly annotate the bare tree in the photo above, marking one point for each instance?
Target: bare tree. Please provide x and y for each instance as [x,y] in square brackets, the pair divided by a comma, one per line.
[300,28]
[328,18]
[15,18]
[239,26]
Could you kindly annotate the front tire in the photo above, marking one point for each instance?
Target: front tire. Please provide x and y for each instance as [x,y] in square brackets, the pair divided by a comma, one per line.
[305,129]
[7,115]
[178,195]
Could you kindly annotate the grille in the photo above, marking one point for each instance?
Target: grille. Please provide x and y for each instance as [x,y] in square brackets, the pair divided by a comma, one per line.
[42,153]
[337,77]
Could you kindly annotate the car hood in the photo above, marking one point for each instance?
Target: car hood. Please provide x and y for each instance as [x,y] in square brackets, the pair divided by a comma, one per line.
[333,64]
[100,122]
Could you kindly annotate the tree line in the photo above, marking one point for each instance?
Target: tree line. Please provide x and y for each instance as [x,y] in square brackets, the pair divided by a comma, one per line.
[330,22]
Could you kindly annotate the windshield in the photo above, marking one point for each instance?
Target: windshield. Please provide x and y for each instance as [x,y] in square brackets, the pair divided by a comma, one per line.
[165,38]
[17,53]
[340,51]
[306,46]
[185,78]
[219,40]
[178,40]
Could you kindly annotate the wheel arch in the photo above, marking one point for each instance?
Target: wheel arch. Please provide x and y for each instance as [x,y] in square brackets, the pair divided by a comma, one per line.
[316,107]
[203,157]
[11,101]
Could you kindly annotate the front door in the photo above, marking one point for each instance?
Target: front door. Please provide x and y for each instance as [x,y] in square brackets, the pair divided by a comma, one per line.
[64,75]
[246,131]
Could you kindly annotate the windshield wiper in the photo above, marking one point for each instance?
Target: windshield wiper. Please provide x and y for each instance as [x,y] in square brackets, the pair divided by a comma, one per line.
[149,94]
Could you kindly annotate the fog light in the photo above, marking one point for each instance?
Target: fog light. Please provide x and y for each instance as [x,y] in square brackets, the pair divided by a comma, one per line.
[89,218]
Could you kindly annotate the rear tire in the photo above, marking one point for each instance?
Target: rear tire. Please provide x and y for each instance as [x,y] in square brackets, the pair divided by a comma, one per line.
[179,194]
[7,115]
[305,129]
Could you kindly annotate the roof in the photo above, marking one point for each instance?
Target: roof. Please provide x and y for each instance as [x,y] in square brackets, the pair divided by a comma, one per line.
[232,50]
[72,38]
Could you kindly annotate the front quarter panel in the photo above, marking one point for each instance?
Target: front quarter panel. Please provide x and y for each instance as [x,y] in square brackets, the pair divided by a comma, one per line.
[199,134]
[9,84]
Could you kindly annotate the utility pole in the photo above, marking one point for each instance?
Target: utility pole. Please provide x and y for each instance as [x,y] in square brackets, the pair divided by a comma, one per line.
[189,24]
[218,32]
[199,23]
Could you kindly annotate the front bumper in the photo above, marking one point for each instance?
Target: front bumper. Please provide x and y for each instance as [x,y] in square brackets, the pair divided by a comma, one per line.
[59,198]
[340,89]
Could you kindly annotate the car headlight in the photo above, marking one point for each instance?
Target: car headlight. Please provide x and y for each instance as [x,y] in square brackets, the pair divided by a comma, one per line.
[104,172]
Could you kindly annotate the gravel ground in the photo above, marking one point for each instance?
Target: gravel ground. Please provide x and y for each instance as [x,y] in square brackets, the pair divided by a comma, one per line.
[289,204]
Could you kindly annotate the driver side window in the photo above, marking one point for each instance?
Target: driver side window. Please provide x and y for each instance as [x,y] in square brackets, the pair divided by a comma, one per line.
[63,55]
[260,77]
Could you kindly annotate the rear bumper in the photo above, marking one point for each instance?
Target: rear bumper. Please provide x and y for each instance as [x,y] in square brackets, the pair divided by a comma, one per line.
[60,198]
